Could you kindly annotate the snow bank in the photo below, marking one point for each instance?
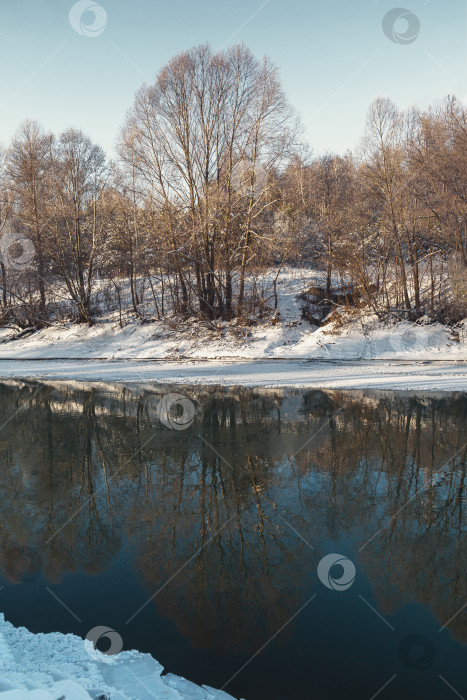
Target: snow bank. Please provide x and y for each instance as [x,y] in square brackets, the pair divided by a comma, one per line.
[291,340]
[407,375]
[383,356]
[364,337]
[60,667]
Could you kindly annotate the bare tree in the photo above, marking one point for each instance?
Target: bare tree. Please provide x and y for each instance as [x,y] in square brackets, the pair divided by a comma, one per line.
[29,170]
[203,139]
[79,224]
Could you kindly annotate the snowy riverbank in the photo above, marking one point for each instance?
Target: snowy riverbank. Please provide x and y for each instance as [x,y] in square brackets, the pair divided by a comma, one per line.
[395,375]
[57,666]
[358,335]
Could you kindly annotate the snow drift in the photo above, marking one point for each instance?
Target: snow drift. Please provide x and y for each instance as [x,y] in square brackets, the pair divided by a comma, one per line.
[59,667]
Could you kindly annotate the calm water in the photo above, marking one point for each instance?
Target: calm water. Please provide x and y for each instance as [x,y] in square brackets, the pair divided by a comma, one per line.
[222,525]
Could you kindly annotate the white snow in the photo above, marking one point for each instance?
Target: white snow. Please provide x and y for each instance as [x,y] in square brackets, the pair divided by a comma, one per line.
[378,355]
[384,356]
[57,666]
[363,337]
[415,376]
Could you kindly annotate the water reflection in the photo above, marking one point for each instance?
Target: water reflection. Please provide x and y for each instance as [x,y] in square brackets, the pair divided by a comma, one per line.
[236,512]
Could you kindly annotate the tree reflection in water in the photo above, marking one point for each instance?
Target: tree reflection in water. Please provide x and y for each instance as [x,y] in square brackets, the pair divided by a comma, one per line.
[88,472]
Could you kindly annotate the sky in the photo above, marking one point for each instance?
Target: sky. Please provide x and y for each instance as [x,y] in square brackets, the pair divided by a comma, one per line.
[335,57]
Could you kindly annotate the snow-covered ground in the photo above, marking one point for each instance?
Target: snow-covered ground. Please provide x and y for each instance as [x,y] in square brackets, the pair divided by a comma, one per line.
[288,340]
[58,666]
[362,337]
[397,375]
[362,353]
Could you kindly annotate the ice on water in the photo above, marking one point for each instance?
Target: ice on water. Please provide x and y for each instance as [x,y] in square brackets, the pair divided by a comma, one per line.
[58,667]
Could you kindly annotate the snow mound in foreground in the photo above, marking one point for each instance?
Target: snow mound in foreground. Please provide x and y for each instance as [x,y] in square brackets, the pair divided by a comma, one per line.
[59,667]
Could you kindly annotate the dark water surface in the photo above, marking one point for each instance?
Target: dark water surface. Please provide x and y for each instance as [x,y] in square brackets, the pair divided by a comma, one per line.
[222,526]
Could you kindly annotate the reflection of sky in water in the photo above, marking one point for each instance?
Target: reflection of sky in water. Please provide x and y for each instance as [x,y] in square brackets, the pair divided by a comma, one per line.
[362,487]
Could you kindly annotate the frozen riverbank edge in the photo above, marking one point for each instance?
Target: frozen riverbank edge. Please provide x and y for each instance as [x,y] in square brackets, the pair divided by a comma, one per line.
[362,353]
[56,666]
[397,375]
[358,350]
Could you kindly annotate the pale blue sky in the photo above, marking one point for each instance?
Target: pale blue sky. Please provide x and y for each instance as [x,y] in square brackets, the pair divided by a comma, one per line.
[333,55]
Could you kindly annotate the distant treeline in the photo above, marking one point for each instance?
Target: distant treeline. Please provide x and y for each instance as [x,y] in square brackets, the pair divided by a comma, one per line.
[212,185]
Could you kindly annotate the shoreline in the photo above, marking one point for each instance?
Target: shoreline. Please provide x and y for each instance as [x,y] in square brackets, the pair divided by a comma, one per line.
[53,664]
[396,375]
